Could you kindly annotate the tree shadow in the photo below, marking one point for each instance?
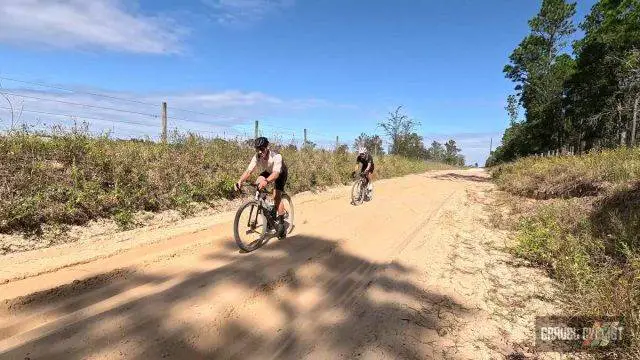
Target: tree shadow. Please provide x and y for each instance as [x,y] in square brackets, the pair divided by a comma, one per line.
[345,282]
[465,177]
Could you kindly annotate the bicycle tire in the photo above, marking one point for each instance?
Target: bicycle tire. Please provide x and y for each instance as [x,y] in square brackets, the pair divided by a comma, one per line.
[356,192]
[291,213]
[236,223]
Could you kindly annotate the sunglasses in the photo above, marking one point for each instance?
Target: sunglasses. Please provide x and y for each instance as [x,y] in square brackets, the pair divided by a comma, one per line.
[261,150]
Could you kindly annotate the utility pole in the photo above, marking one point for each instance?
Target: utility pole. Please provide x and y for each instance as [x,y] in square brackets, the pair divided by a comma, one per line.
[256,132]
[164,122]
[304,144]
[337,143]
[491,146]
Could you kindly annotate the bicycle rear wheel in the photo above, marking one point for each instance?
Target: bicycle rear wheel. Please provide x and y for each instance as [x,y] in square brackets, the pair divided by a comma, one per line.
[357,195]
[289,217]
[249,226]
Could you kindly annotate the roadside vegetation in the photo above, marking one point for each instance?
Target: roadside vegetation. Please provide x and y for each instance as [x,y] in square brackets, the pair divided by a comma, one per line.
[71,177]
[579,218]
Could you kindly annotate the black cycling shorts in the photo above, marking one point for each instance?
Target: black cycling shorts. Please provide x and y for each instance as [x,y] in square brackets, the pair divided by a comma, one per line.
[281,181]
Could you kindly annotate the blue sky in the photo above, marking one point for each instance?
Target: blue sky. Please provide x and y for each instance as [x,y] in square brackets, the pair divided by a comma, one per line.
[334,67]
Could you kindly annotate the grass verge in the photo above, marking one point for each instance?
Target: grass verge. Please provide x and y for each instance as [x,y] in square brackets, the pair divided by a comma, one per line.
[586,232]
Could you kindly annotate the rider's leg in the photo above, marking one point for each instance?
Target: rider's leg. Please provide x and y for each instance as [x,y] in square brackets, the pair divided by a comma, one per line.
[369,180]
[278,190]
[277,196]
[277,201]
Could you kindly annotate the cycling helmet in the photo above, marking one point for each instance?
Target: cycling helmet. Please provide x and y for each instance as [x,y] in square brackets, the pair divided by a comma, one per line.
[261,142]
[362,150]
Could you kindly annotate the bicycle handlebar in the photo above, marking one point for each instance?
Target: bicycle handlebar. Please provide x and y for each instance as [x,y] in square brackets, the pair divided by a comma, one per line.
[255,186]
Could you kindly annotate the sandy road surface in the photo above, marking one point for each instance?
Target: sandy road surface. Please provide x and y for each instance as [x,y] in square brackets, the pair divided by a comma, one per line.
[414,274]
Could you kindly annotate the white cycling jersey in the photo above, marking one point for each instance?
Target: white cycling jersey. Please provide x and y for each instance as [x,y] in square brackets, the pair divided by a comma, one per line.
[273,163]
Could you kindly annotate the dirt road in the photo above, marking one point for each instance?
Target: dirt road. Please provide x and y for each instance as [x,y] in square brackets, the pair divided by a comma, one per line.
[416,273]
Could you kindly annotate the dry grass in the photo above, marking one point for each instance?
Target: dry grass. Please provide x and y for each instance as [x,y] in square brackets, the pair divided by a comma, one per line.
[591,244]
[569,176]
[70,178]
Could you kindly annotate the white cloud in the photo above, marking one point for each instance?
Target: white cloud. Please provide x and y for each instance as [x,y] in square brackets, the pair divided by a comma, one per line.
[243,12]
[104,24]
[227,99]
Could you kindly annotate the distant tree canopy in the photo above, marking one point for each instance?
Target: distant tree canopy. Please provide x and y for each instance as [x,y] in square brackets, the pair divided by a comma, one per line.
[309,145]
[400,129]
[342,148]
[373,143]
[580,101]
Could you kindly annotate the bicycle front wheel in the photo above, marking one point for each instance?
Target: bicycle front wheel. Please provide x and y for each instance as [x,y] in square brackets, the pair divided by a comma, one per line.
[357,195]
[249,226]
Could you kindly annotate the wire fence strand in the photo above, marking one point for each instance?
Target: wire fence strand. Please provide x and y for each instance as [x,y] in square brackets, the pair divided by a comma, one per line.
[205,124]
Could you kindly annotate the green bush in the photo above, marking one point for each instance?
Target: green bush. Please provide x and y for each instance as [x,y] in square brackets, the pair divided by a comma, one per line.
[124,219]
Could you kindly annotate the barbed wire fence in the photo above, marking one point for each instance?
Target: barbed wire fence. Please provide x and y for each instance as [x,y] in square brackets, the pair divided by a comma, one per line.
[28,107]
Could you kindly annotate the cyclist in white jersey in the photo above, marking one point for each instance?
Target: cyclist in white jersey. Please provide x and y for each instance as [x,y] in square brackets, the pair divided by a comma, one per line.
[272,169]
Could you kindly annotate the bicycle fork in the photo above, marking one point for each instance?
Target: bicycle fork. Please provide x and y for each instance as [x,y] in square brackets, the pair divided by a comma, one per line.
[253,219]
[252,222]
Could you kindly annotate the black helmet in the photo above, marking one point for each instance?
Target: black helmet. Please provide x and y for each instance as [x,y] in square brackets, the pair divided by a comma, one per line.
[261,142]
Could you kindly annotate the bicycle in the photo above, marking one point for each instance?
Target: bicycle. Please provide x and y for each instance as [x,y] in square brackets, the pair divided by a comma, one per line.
[261,220]
[359,190]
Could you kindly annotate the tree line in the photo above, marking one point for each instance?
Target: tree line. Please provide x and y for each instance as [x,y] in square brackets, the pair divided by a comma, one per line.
[578,100]
[405,141]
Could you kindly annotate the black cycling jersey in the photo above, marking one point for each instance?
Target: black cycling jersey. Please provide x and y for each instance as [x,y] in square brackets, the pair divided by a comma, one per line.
[365,160]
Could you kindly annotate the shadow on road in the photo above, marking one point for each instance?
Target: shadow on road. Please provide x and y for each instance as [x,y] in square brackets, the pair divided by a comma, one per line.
[466,177]
[147,328]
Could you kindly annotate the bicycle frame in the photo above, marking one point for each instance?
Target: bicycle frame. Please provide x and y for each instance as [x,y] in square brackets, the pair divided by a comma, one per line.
[363,178]
[261,198]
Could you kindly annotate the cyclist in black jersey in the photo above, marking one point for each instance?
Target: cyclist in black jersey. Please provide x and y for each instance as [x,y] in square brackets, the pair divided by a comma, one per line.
[365,161]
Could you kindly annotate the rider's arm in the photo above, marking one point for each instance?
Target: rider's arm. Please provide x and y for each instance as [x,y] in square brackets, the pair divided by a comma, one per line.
[244,177]
[355,170]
